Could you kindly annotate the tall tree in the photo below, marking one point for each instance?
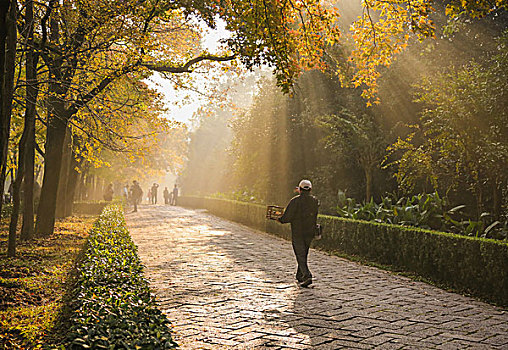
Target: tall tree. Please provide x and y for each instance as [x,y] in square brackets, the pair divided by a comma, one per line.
[8,40]
[76,54]
[461,140]
[32,91]
[356,139]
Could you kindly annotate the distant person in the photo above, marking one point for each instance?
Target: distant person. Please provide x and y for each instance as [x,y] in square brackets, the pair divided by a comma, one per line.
[175,195]
[155,186]
[125,193]
[149,195]
[108,194]
[302,212]
[136,194]
[166,195]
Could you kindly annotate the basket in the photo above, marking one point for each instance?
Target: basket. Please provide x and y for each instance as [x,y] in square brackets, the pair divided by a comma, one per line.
[274,212]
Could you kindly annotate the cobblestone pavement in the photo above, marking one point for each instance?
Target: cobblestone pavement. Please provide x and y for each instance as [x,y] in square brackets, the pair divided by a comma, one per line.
[226,286]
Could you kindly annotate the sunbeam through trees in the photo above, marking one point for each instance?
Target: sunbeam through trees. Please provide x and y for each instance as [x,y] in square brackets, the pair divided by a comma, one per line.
[396,110]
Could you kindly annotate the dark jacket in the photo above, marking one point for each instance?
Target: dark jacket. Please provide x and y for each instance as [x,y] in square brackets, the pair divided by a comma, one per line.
[136,192]
[301,212]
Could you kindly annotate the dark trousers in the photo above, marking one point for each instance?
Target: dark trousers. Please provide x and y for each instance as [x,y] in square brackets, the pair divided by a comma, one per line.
[301,245]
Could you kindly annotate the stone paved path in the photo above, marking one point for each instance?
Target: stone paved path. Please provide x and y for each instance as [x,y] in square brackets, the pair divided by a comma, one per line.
[226,286]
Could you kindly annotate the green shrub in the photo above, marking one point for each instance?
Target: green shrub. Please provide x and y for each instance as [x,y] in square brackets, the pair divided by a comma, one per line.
[113,307]
[468,264]
[427,211]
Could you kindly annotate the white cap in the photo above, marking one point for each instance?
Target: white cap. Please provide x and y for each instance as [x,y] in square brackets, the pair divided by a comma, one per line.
[305,185]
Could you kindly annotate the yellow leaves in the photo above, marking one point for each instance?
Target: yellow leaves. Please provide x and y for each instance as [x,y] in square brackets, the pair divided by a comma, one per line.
[124,133]
[474,8]
[381,33]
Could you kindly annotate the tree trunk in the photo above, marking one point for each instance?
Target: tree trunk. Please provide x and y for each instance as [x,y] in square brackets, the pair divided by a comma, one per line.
[89,187]
[4,9]
[58,117]
[72,184]
[32,91]
[55,136]
[16,186]
[8,37]
[61,197]
[78,196]
[82,185]
[100,188]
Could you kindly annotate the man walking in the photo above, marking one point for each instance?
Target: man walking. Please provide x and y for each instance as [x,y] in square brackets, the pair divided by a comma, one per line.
[154,193]
[302,212]
[136,194]
[175,195]
[166,195]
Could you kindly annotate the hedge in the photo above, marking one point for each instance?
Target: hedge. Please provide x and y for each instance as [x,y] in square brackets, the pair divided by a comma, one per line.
[89,207]
[471,265]
[112,305]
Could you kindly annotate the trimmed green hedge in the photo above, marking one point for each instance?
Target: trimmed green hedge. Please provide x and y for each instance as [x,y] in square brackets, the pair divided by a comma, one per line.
[112,305]
[468,264]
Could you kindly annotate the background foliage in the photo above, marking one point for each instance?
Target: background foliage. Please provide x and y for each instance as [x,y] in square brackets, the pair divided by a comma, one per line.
[439,132]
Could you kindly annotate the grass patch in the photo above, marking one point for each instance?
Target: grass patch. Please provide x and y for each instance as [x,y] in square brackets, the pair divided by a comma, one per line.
[33,284]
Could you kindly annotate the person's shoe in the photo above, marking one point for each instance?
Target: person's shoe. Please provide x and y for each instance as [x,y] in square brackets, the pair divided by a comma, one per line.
[306,283]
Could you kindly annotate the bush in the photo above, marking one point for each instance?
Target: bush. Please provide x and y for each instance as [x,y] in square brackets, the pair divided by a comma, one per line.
[427,211]
[112,304]
[468,264]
